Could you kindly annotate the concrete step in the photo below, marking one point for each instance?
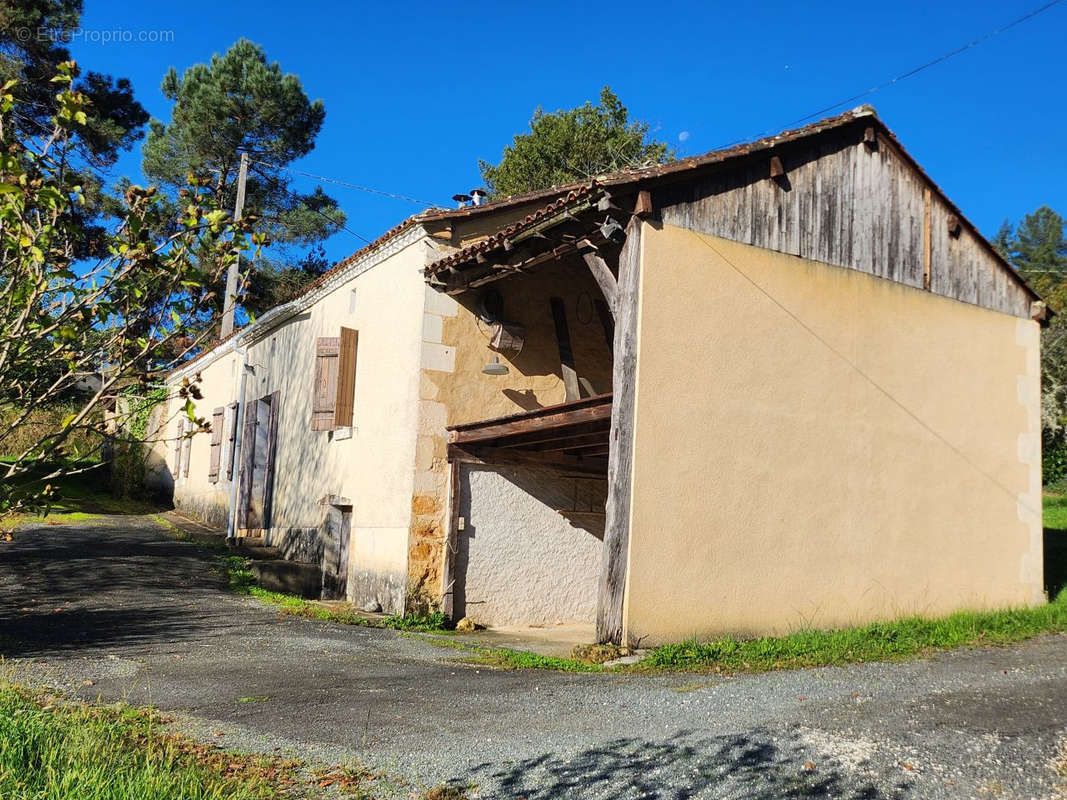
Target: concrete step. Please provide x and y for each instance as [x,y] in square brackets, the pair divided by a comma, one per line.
[289,577]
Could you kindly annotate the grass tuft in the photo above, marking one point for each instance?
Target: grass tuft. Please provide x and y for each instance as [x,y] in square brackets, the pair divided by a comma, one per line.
[52,750]
[882,641]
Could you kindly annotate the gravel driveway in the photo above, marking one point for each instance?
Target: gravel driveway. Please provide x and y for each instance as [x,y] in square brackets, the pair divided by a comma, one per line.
[120,610]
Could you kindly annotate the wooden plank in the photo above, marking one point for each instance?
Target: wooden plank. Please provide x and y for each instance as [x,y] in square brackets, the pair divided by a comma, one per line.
[448,569]
[620,460]
[272,447]
[215,459]
[506,457]
[601,273]
[607,322]
[345,404]
[546,438]
[248,462]
[510,426]
[324,392]
[927,239]
[232,436]
[566,352]
[178,448]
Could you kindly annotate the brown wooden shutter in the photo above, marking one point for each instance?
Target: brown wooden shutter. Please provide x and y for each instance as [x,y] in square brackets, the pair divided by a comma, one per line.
[178,449]
[217,424]
[344,410]
[232,452]
[324,391]
[187,446]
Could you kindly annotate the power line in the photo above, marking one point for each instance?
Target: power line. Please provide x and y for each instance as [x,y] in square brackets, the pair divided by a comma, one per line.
[297,198]
[862,373]
[355,186]
[909,74]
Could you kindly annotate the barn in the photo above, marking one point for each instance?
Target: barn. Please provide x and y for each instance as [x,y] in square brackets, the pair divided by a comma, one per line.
[782,385]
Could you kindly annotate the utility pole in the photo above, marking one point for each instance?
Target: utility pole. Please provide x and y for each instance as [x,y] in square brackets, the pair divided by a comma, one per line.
[231,275]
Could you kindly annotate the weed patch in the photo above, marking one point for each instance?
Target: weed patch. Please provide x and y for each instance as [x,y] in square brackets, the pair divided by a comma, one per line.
[883,641]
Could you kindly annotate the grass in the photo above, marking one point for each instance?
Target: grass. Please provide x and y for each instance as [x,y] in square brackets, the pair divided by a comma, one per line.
[53,750]
[883,641]
[79,499]
[242,581]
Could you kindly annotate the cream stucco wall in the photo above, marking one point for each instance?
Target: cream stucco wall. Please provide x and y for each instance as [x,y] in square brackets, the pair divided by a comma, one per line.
[373,463]
[818,447]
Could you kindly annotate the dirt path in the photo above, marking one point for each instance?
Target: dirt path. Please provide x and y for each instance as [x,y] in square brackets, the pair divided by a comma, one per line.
[120,610]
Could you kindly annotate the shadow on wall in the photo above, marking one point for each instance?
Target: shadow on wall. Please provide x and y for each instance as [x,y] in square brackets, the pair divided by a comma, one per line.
[527,564]
[759,764]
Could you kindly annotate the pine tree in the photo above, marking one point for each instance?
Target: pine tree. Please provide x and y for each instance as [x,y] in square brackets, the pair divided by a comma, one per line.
[573,145]
[32,33]
[241,102]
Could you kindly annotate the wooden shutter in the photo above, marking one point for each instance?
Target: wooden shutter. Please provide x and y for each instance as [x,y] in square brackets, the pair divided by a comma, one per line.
[344,410]
[217,424]
[272,449]
[178,448]
[232,435]
[324,391]
[248,462]
[187,446]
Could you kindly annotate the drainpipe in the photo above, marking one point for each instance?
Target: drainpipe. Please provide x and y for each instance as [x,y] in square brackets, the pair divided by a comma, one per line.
[231,529]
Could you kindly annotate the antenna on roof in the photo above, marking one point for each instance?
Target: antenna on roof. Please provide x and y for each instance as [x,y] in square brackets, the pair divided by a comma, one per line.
[478,196]
[462,200]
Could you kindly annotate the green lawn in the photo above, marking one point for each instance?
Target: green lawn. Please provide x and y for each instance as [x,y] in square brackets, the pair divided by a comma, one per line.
[81,497]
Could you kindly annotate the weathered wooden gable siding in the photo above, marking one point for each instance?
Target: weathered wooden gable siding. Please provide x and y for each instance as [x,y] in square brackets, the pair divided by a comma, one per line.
[843,203]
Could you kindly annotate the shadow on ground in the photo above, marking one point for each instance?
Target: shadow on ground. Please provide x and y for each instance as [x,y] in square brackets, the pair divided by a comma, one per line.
[74,587]
[1055,561]
[756,765]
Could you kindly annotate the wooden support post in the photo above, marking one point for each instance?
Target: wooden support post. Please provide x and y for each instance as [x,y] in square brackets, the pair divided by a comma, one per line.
[927,239]
[566,352]
[601,272]
[448,568]
[620,459]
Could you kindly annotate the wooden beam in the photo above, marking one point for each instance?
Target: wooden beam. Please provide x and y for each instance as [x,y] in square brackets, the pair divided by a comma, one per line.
[554,462]
[620,460]
[566,352]
[601,272]
[870,138]
[927,239]
[588,410]
[448,568]
[562,442]
[550,436]
[777,170]
[643,204]
[955,227]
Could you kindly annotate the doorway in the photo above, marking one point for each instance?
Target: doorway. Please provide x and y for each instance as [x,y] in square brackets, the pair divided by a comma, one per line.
[258,445]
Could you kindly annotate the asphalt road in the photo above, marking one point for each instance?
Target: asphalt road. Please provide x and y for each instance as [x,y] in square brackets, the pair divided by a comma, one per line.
[120,610]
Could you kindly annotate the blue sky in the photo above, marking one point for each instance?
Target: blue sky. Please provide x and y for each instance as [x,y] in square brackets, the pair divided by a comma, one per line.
[416,93]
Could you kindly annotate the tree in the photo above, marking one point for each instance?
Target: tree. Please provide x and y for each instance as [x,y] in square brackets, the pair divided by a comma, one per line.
[240,102]
[1038,250]
[114,318]
[32,36]
[573,145]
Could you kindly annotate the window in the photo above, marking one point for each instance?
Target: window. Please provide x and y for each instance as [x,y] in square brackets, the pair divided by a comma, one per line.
[333,394]
[217,425]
